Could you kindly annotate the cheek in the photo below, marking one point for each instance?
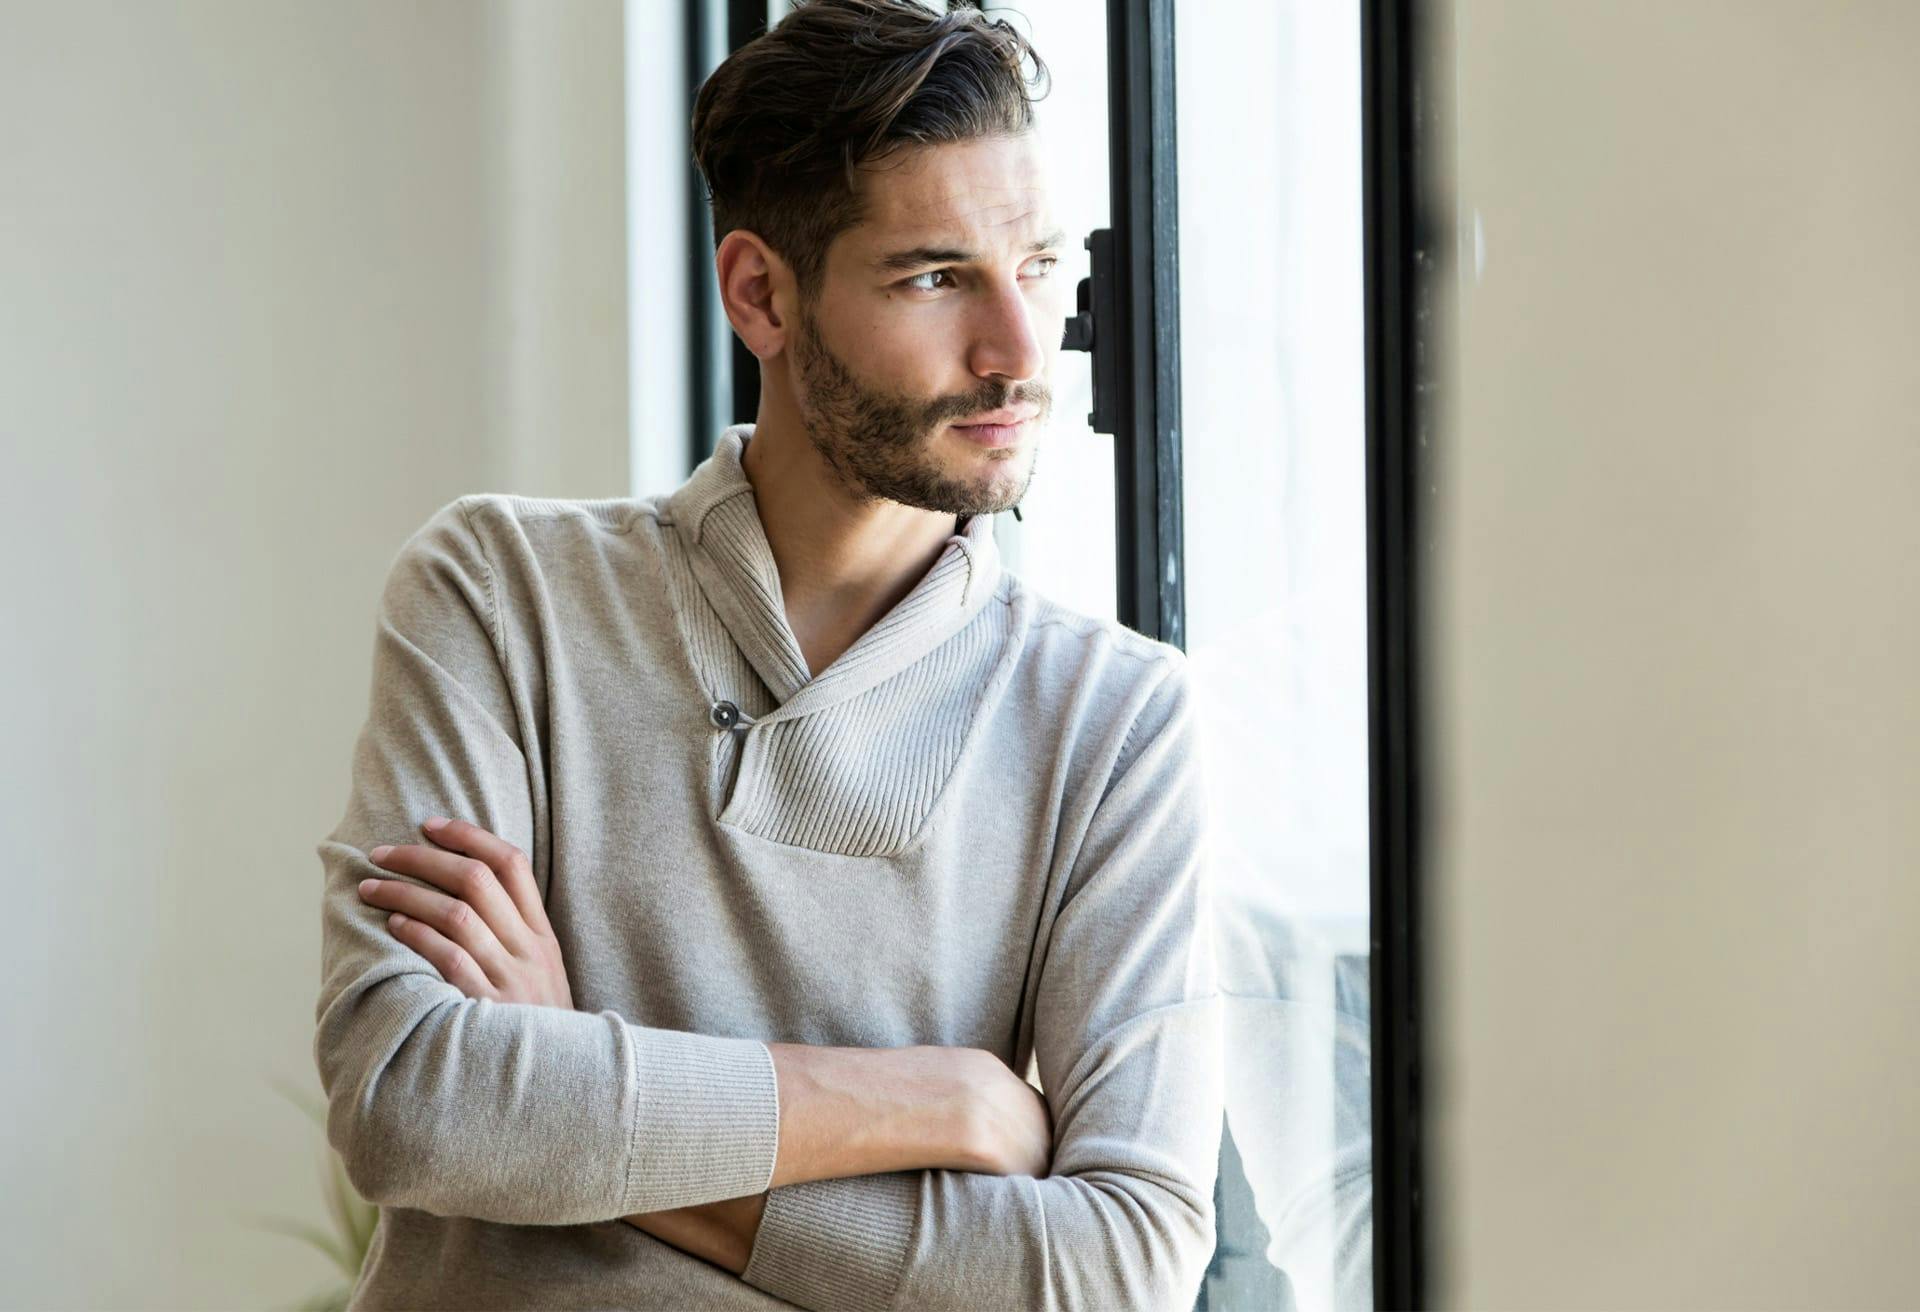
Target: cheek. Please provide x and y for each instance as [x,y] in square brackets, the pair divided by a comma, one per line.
[912,354]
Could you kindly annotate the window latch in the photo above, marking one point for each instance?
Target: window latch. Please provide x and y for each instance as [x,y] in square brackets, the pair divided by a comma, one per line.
[1093,330]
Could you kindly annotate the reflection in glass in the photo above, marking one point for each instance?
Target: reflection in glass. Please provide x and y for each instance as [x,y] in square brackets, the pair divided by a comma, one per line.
[1272,352]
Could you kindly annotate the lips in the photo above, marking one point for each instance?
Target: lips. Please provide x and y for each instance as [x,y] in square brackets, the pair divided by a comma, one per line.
[998,419]
[993,435]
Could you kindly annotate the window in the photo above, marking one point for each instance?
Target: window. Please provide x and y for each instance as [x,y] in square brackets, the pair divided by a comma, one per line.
[1070,501]
[1273,399]
[1265,578]
[1239,491]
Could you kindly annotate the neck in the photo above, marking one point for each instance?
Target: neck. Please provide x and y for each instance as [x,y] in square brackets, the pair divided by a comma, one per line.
[844,563]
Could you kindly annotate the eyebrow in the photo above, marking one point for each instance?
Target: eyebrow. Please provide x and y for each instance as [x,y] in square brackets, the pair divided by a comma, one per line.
[920,257]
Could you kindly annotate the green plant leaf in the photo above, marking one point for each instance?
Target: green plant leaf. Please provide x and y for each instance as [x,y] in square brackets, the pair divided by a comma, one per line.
[314,1235]
[354,1218]
[310,1103]
[328,1300]
[363,1214]
[336,1202]
[354,1215]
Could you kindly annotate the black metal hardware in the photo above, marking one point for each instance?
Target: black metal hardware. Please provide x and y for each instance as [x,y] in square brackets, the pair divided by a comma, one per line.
[1095,329]
[1399,255]
[1135,303]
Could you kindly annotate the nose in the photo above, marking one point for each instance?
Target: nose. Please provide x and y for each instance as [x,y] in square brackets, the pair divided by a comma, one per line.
[1006,340]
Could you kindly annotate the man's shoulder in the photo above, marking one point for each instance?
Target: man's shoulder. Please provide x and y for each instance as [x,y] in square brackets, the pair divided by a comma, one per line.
[506,546]
[1058,635]
[1108,691]
[508,530]
[490,512]
[1110,685]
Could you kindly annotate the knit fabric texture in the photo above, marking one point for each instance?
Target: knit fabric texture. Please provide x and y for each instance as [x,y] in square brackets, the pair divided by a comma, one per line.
[982,825]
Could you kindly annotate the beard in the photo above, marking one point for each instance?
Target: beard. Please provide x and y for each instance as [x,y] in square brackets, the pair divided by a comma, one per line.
[877,443]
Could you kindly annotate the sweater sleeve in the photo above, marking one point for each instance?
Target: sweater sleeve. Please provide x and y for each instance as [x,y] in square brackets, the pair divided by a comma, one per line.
[1128,1037]
[460,1106]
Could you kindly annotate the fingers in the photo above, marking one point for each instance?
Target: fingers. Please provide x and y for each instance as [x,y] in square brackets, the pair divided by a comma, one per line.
[467,878]
[472,911]
[448,916]
[508,863]
[456,966]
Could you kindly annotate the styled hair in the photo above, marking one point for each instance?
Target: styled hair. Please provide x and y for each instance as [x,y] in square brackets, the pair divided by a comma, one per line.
[782,125]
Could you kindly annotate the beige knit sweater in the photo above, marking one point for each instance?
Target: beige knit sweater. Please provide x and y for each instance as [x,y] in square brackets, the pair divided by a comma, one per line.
[982,825]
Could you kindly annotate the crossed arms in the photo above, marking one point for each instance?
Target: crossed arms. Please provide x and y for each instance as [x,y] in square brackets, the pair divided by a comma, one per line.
[864,1178]
[479,920]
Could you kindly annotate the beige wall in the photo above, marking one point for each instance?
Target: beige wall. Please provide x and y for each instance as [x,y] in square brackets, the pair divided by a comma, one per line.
[1676,628]
[276,280]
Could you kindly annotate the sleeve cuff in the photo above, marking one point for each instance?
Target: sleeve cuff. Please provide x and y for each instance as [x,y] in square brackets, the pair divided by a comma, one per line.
[706,1120]
[836,1243]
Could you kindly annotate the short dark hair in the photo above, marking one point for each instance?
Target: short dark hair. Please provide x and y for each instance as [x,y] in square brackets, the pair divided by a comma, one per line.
[780,127]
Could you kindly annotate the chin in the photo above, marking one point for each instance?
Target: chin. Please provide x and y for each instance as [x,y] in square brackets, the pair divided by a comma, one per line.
[991,466]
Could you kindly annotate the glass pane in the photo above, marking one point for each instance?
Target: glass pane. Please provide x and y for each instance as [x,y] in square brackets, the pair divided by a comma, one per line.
[1063,544]
[1273,402]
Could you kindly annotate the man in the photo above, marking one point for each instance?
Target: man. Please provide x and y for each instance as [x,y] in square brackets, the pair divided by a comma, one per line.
[784,826]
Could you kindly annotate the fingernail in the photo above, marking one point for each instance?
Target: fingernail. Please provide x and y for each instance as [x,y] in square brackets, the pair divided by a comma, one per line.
[380,853]
[433,822]
[366,885]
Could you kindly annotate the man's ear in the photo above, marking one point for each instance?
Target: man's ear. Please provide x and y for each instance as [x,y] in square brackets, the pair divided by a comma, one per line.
[755,287]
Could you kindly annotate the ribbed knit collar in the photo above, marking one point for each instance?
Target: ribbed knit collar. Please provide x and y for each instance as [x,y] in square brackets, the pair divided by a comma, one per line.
[718,522]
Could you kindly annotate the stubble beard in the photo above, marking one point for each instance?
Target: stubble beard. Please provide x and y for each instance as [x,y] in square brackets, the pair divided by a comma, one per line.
[876,443]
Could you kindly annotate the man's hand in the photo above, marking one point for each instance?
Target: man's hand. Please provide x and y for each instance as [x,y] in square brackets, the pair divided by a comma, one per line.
[488,933]
[1010,1127]
[491,939]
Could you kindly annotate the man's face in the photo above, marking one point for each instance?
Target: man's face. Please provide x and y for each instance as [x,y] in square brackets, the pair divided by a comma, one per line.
[942,306]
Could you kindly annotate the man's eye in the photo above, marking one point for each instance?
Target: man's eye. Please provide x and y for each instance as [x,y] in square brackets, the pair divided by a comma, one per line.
[915,282]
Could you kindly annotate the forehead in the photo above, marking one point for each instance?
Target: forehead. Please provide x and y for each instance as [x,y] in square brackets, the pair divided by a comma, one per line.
[988,192]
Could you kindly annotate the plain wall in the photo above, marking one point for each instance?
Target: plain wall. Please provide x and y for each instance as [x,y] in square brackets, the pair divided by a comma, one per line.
[276,281]
[1674,643]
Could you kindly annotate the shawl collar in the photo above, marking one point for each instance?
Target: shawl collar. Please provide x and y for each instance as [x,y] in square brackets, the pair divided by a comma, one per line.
[718,523]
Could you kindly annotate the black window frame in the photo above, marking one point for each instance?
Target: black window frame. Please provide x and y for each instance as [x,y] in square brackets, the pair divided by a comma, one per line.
[1401,259]
[723,377]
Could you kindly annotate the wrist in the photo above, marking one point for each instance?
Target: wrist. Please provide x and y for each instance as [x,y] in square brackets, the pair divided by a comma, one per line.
[863,1111]
[936,1119]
